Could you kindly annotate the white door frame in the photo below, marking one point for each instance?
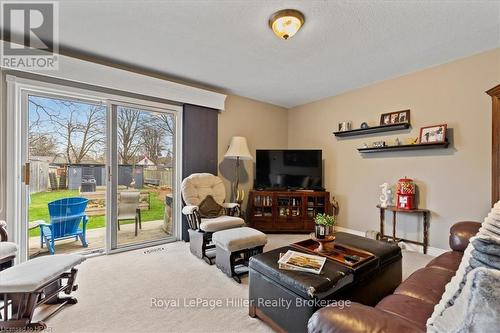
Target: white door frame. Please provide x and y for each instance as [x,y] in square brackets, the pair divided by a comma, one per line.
[15,209]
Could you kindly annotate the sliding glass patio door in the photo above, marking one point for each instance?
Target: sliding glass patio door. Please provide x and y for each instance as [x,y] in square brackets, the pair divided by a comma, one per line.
[143,174]
[94,173]
[64,174]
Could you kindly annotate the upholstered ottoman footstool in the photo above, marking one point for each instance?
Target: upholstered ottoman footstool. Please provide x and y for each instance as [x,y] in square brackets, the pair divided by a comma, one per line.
[38,281]
[234,247]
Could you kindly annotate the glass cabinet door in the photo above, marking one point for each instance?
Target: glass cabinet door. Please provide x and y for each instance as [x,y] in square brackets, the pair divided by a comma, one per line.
[315,205]
[263,206]
[289,206]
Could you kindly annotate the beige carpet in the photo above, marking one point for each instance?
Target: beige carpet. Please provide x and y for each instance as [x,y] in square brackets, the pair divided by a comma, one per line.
[115,293]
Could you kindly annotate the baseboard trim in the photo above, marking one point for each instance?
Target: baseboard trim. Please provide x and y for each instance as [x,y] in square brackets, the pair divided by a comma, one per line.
[432,251]
[350,231]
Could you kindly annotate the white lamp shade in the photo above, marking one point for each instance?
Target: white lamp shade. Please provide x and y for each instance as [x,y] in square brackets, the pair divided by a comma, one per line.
[238,148]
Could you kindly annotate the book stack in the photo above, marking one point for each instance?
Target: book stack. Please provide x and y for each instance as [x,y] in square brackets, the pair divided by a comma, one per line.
[298,261]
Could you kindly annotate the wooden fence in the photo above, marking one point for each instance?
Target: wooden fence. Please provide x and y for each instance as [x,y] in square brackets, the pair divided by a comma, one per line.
[39,176]
[158,177]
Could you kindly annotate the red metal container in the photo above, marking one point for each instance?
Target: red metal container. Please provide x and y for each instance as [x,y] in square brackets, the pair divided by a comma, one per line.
[406,194]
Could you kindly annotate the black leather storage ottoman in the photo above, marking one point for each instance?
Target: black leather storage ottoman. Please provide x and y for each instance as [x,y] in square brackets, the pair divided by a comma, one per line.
[287,299]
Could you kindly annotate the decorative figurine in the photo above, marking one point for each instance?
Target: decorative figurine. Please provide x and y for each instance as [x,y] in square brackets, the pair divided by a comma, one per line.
[386,195]
[335,207]
[397,142]
[364,125]
[365,145]
[345,126]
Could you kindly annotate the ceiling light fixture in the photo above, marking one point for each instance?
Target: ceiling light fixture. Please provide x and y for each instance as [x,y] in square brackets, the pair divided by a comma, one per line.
[285,23]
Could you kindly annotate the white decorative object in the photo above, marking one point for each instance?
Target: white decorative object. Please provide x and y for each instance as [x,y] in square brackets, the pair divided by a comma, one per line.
[345,126]
[386,195]
[471,299]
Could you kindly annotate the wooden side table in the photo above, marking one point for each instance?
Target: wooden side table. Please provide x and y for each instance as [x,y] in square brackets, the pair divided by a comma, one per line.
[426,218]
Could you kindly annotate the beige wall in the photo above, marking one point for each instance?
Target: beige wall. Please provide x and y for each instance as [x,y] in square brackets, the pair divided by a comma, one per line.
[454,183]
[264,125]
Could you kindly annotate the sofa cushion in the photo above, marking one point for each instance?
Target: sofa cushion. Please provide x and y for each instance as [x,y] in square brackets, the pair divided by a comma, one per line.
[359,318]
[448,260]
[412,309]
[426,284]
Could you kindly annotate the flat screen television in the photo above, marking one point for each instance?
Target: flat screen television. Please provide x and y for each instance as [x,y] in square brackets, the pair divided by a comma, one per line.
[288,169]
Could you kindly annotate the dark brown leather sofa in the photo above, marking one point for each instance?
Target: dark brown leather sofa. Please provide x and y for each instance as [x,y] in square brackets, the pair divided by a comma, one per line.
[411,304]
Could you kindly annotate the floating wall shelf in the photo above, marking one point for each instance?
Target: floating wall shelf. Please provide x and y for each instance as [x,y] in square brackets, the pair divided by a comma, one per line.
[420,146]
[371,130]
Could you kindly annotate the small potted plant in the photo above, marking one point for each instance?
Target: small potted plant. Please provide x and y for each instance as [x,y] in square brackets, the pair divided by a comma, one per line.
[324,225]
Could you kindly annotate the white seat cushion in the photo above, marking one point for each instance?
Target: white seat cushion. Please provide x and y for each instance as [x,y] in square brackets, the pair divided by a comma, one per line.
[239,239]
[221,223]
[7,249]
[31,275]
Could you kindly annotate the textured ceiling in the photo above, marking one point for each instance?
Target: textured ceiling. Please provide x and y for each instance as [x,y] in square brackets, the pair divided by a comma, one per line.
[228,45]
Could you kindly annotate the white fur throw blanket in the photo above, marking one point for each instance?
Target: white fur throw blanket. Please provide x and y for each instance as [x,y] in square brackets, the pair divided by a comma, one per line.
[476,309]
[471,301]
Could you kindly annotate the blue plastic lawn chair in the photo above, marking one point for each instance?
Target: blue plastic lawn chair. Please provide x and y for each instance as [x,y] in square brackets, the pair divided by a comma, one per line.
[65,218]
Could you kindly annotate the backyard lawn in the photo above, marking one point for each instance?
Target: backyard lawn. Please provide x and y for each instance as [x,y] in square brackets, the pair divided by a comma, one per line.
[38,209]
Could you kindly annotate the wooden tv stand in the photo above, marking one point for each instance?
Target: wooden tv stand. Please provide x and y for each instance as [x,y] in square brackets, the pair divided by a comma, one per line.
[286,211]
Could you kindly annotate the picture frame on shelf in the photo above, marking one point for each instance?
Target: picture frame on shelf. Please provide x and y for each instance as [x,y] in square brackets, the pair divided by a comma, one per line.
[397,117]
[433,134]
